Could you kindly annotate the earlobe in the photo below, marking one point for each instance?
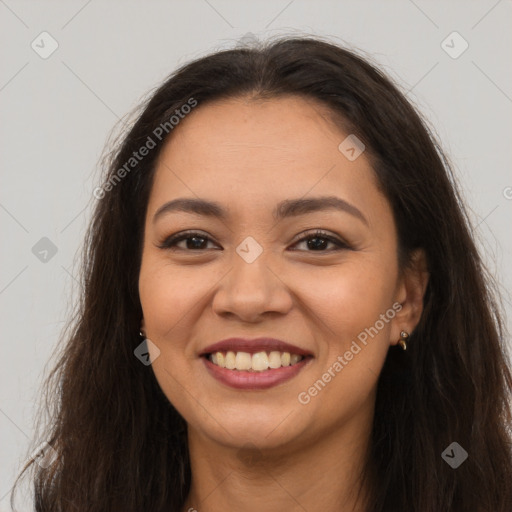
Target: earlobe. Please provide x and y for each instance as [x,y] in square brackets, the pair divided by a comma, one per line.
[413,285]
[404,335]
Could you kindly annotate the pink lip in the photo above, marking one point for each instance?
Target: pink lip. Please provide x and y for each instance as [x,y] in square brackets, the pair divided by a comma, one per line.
[253,346]
[254,380]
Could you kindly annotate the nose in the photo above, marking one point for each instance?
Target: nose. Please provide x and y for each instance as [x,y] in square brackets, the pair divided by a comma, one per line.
[251,290]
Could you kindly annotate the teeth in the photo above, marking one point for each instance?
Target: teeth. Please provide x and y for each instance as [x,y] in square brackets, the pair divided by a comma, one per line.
[257,362]
[243,361]
[230,360]
[274,359]
[295,358]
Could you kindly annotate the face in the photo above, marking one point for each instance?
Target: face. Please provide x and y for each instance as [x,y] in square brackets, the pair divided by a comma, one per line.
[334,295]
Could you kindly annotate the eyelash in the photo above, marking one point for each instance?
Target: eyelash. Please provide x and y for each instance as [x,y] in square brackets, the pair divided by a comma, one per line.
[171,241]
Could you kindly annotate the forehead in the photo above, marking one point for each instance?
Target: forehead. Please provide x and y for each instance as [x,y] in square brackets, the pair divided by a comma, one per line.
[286,129]
[250,151]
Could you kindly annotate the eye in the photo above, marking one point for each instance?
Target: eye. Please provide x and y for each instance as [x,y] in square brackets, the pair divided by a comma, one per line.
[197,241]
[318,240]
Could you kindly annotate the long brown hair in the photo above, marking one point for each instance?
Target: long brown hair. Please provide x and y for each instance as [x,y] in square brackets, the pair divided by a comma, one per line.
[121,446]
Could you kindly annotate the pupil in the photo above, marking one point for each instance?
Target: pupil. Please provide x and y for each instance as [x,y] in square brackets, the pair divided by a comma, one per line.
[320,242]
[196,242]
[195,245]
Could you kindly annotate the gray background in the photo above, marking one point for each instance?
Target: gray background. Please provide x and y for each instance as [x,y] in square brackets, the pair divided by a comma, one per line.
[58,112]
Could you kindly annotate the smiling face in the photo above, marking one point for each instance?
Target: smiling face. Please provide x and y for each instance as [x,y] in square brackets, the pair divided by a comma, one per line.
[321,293]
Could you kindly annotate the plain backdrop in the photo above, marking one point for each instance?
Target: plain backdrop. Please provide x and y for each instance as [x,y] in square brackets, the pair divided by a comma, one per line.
[57,112]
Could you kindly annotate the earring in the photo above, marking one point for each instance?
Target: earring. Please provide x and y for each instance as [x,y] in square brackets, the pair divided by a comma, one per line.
[141,334]
[403,339]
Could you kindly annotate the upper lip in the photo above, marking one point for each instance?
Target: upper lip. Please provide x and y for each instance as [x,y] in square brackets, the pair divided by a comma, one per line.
[254,345]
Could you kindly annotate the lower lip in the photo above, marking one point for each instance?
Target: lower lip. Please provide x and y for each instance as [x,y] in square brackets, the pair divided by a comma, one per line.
[241,379]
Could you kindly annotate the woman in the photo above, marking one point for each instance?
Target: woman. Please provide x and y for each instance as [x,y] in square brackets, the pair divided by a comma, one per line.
[283,307]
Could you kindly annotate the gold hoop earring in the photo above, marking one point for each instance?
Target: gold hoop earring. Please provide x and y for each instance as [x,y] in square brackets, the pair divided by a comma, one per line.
[403,340]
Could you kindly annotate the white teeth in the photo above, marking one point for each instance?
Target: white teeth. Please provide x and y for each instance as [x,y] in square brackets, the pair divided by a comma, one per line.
[243,361]
[258,362]
[230,360]
[274,359]
[221,359]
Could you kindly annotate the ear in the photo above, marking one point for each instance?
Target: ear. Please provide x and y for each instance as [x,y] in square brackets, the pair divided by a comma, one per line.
[410,292]
[143,327]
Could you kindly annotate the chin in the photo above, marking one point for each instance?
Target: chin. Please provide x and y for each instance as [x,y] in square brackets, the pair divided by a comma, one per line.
[263,431]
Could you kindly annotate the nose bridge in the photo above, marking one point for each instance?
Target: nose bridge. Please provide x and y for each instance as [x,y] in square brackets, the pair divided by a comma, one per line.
[251,270]
[251,287]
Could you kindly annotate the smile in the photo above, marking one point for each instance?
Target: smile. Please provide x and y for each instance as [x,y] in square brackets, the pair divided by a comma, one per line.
[258,362]
[260,370]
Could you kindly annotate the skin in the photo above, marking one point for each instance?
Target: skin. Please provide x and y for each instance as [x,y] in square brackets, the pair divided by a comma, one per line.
[259,450]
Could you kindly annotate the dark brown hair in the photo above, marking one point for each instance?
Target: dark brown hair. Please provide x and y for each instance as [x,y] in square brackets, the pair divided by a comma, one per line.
[120,444]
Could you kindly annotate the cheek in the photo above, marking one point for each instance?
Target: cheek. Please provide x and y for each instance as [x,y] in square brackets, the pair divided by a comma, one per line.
[353,295]
[167,295]
[168,298]
[358,309]
[355,303]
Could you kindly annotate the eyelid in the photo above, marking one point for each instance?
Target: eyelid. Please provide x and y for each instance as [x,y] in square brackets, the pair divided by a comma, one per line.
[183,235]
[301,237]
[321,233]
[339,243]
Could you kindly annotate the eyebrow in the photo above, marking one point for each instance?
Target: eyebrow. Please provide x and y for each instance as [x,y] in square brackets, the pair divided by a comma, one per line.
[284,209]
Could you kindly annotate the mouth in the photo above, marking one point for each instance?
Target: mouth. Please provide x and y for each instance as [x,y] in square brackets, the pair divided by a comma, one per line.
[257,362]
[254,346]
[259,370]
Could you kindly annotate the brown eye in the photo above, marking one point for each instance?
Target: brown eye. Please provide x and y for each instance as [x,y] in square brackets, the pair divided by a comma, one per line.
[194,241]
[316,241]
[319,240]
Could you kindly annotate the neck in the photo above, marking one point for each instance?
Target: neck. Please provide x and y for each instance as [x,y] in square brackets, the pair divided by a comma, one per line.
[319,475]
